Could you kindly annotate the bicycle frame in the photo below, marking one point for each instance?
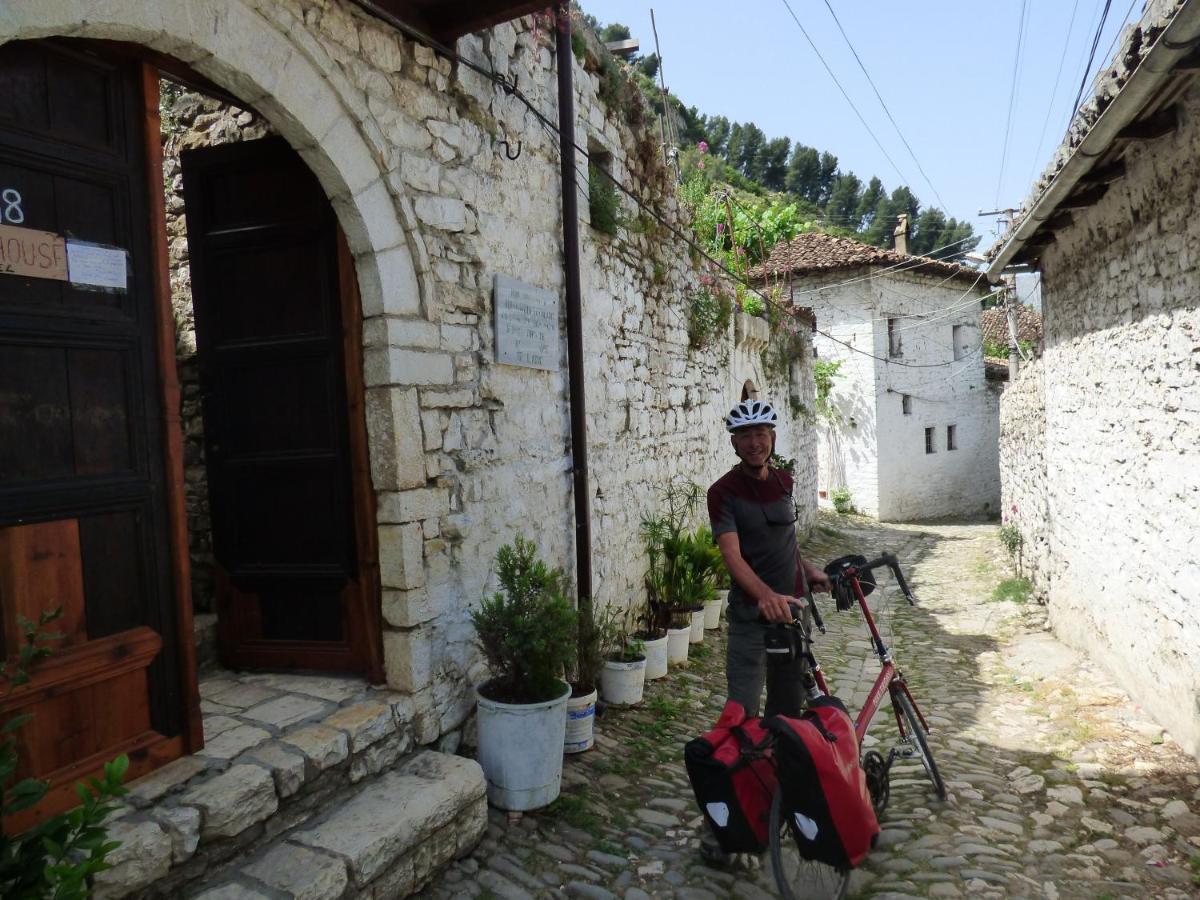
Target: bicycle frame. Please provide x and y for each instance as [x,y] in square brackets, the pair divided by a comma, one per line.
[890,679]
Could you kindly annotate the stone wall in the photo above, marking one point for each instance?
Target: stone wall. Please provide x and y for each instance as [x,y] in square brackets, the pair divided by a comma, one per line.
[466,453]
[1121,376]
[1023,470]
[191,120]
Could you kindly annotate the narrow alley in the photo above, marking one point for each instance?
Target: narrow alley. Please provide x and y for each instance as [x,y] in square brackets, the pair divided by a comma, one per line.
[1058,785]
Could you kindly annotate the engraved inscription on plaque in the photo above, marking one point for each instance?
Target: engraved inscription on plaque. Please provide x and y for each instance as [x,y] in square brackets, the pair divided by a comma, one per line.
[527,332]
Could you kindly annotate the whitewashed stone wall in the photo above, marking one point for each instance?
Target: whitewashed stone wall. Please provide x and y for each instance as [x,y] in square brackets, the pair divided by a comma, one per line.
[1023,470]
[1121,373]
[878,451]
[467,454]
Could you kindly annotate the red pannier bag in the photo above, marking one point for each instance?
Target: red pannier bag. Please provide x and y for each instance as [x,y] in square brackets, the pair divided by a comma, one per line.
[825,793]
[734,780]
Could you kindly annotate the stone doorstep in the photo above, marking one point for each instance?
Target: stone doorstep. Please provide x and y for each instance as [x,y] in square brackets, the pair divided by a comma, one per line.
[283,754]
[384,841]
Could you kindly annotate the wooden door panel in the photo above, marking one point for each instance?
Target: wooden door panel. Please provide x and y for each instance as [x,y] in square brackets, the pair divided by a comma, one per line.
[292,587]
[83,491]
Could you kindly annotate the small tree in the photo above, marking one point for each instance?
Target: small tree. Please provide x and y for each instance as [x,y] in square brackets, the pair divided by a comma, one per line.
[527,630]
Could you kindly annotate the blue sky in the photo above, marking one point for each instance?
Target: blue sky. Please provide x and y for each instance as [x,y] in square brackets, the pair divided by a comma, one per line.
[944,67]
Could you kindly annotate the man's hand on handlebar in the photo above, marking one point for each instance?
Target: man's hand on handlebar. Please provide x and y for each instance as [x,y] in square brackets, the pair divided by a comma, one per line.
[776,607]
[818,581]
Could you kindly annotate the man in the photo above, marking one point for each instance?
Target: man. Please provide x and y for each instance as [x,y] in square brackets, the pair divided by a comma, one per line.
[754,522]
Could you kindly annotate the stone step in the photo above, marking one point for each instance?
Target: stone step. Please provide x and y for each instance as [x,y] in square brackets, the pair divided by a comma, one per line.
[299,773]
[386,840]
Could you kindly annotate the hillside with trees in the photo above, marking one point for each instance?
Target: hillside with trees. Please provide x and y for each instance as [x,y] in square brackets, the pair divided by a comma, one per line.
[786,182]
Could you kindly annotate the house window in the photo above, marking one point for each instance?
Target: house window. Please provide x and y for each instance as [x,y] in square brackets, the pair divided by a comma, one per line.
[951,437]
[929,440]
[893,338]
[959,338]
[906,404]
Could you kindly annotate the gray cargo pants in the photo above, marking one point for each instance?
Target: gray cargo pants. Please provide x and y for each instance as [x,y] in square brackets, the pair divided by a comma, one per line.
[747,666]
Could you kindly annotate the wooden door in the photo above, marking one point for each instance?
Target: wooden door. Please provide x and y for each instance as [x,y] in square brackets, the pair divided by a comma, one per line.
[83,489]
[297,585]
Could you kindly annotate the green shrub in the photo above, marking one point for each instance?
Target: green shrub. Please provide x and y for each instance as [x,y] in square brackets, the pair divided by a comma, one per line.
[843,501]
[603,203]
[527,629]
[753,305]
[708,317]
[1013,590]
[1011,539]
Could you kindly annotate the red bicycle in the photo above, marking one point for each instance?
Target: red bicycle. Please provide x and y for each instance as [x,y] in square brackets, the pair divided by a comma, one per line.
[852,580]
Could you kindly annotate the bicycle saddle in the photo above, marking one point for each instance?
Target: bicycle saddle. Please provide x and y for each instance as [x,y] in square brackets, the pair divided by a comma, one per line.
[840,587]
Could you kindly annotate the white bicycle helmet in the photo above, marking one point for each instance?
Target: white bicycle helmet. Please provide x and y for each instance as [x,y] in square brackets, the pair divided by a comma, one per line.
[750,412]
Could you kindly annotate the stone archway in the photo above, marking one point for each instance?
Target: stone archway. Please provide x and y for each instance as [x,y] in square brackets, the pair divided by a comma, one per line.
[248,49]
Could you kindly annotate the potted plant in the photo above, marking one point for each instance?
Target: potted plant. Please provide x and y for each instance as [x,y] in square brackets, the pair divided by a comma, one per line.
[623,677]
[581,707]
[703,567]
[526,632]
[671,586]
[714,608]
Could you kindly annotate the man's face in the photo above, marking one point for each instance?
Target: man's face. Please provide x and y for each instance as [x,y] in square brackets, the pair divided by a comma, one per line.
[754,444]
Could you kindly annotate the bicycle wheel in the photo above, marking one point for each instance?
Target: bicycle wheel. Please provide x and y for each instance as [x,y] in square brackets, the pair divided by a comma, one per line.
[799,878]
[916,736]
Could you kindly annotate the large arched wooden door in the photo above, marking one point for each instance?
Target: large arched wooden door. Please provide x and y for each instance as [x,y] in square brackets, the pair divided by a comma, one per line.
[83,484]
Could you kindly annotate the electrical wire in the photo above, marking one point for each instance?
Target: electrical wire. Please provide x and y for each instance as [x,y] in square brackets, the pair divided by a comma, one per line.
[812,44]
[888,112]
[1091,57]
[551,127]
[1037,154]
[1012,98]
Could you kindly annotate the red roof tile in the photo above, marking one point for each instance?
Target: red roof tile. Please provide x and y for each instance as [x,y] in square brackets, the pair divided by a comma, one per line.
[818,252]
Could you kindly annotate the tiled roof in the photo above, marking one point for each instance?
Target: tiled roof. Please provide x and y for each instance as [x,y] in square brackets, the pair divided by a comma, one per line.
[993,323]
[817,252]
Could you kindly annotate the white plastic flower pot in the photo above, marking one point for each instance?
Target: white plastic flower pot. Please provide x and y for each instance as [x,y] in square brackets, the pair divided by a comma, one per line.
[656,658]
[712,610]
[621,683]
[697,633]
[581,720]
[677,644]
[521,750]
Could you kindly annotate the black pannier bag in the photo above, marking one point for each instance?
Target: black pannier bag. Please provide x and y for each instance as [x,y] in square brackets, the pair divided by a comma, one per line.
[734,780]
[825,796]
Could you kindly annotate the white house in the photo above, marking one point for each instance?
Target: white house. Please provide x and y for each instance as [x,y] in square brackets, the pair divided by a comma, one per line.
[911,424]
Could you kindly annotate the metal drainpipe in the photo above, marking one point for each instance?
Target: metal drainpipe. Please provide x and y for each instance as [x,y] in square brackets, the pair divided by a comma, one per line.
[570,214]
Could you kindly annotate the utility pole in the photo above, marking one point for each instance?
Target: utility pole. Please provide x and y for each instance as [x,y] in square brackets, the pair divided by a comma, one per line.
[1011,307]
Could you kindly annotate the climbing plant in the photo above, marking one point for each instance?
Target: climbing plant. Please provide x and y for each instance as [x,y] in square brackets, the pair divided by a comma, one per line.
[825,373]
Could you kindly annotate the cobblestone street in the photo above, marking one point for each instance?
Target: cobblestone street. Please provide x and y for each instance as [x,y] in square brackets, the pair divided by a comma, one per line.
[1058,785]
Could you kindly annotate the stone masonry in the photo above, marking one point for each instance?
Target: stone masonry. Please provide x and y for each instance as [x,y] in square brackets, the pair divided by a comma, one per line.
[1119,504]
[466,453]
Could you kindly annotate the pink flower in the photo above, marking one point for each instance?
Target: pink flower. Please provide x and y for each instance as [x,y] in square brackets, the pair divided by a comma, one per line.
[720,227]
[700,164]
[702,146]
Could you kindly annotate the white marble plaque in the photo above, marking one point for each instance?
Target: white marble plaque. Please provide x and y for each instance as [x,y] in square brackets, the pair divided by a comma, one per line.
[96,266]
[527,331]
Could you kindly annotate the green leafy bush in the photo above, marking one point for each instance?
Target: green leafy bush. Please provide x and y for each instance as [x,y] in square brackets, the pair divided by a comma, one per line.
[1011,539]
[603,203]
[685,567]
[57,858]
[753,305]
[825,374]
[843,501]
[526,630]
[708,316]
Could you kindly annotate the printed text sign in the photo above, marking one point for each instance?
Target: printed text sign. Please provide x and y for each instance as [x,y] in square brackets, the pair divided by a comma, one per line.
[527,331]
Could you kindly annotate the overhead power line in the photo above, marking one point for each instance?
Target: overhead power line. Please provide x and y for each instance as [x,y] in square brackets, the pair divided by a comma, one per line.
[1012,98]
[1037,153]
[888,112]
[1091,57]
[812,44]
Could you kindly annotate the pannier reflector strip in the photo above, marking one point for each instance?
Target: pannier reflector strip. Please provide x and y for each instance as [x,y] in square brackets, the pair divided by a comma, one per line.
[719,813]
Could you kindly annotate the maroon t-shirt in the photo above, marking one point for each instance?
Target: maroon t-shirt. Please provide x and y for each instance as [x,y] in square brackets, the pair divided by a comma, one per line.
[763,516]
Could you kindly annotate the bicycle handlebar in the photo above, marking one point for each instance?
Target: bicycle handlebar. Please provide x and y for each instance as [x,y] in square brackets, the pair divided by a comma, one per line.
[889,560]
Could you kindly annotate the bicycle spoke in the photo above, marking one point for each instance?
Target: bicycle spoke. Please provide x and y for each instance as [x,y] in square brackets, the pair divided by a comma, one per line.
[799,878]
